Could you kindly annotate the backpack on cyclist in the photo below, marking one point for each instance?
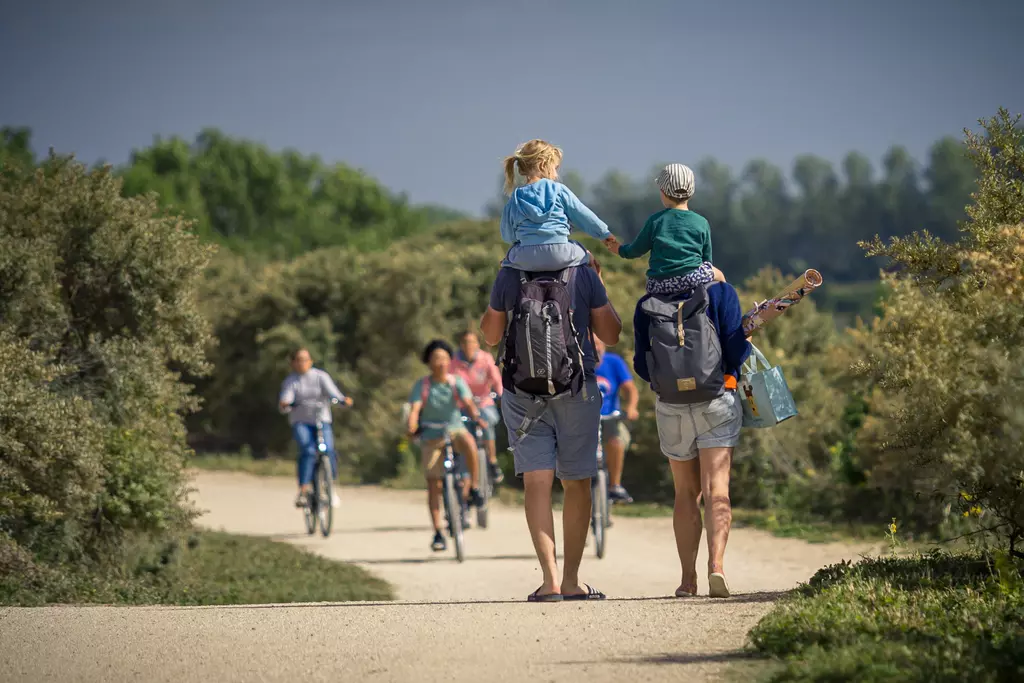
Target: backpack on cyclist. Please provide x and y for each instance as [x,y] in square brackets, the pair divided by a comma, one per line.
[685,358]
[541,353]
[452,382]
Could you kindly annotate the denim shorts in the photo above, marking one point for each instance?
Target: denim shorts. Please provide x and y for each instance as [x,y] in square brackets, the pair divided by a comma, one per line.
[684,429]
[564,439]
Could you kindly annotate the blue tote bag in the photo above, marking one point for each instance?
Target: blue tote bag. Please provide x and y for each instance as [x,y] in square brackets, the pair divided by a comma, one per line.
[764,394]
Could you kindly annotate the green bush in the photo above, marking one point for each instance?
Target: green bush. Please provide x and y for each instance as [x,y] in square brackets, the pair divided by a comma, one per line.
[98,320]
[947,422]
[933,618]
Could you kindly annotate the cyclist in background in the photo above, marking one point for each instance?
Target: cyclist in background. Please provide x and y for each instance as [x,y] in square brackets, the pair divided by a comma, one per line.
[305,397]
[477,367]
[439,399]
[613,378]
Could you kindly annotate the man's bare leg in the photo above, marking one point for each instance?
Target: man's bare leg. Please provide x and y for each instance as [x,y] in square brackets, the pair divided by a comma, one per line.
[541,522]
[575,525]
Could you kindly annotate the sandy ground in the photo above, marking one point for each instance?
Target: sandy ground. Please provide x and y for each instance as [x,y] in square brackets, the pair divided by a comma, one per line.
[452,622]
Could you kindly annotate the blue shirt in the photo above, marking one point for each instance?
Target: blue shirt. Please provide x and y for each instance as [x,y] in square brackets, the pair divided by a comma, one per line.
[540,213]
[588,293]
[612,373]
[725,314]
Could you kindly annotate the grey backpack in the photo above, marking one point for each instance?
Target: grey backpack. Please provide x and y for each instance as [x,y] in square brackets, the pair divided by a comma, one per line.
[542,354]
[685,358]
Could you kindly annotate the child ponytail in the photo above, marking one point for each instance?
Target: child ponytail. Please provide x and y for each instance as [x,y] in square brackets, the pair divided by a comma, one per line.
[510,173]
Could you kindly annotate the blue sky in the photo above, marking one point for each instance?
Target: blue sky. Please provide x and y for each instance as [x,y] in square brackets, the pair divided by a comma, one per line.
[429,96]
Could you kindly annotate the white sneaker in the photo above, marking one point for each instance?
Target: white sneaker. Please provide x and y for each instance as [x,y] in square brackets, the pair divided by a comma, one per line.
[335,500]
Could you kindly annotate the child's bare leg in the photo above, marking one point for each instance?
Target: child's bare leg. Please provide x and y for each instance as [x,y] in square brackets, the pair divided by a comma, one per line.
[719,275]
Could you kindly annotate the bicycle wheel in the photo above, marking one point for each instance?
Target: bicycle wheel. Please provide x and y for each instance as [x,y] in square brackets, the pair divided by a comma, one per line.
[324,487]
[453,508]
[309,512]
[599,511]
[486,489]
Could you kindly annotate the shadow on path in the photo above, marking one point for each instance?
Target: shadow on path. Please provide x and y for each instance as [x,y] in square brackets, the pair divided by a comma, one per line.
[682,602]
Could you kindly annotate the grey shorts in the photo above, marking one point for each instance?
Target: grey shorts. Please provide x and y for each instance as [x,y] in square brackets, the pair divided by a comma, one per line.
[564,439]
[683,429]
[543,258]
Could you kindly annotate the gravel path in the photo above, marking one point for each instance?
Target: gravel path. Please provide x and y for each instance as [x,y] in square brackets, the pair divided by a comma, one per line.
[452,622]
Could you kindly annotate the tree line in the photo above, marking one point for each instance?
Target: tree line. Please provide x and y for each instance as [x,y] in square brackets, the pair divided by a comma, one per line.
[812,218]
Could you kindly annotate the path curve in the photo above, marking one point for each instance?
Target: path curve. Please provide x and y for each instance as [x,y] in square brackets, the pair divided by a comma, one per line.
[452,622]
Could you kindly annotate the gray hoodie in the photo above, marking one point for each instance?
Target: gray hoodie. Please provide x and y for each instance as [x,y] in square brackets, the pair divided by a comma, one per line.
[311,393]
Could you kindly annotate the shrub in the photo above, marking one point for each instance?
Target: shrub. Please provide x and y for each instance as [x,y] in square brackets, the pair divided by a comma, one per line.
[98,319]
[946,353]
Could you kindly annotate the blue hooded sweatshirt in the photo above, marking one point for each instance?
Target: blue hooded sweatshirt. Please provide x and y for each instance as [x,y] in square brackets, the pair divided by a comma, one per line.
[540,213]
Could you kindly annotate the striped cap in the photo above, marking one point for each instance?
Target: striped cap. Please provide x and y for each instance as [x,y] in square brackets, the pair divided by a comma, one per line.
[676,181]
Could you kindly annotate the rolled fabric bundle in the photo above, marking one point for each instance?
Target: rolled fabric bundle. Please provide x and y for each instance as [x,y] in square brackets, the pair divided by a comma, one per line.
[770,309]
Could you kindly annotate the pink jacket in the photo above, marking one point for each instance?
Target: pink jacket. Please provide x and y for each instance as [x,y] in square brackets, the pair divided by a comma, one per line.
[482,376]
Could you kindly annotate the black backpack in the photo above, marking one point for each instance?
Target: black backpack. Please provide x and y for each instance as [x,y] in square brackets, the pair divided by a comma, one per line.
[542,352]
[685,358]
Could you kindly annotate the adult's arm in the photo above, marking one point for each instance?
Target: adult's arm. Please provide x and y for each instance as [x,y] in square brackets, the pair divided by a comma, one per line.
[606,324]
[604,319]
[641,342]
[729,323]
[492,326]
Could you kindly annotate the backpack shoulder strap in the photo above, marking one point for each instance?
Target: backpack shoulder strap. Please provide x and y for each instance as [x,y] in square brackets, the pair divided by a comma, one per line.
[424,389]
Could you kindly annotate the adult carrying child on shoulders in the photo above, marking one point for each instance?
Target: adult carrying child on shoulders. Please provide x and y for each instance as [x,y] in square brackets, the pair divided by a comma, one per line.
[690,346]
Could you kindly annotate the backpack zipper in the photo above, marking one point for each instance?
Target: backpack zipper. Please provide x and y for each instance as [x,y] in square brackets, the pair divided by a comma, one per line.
[547,350]
[529,346]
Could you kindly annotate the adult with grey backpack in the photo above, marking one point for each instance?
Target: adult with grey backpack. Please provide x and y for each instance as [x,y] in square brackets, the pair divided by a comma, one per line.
[551,404]
[689,348]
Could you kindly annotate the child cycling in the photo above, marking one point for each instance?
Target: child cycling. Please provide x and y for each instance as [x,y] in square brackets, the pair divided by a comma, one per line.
[678,239]
[438,399]
[536,219]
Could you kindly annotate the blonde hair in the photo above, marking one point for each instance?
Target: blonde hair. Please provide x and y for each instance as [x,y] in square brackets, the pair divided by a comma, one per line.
[531,159]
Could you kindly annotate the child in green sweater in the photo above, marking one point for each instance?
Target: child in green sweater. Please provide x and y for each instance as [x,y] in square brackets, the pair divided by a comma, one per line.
[678,239]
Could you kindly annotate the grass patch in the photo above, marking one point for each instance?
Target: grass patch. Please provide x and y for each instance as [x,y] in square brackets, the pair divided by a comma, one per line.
[929,618]
[205,568]
[260,467]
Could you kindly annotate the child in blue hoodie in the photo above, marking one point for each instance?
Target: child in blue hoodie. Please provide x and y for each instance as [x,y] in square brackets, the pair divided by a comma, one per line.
[536,217]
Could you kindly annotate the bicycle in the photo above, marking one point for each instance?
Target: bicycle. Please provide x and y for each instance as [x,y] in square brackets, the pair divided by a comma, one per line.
[599,517]
[486,486]
[451,491]
[317,509]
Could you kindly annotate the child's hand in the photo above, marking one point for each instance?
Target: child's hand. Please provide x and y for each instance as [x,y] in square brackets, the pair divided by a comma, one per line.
[613,244]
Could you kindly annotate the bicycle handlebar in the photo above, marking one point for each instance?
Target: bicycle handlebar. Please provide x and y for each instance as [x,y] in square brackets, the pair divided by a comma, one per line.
[317,404]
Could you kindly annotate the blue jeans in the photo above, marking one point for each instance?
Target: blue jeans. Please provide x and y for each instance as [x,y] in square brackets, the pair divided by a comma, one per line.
[305,436]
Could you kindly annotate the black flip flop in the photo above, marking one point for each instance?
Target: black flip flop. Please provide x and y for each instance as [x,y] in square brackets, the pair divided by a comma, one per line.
[591,594]
[535,596]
